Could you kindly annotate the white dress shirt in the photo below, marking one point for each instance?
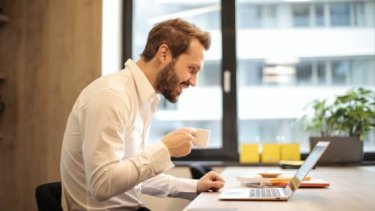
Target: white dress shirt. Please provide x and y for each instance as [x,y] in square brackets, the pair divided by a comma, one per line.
[105,162]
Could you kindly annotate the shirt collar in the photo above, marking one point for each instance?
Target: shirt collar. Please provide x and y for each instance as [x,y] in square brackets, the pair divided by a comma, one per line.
[145,90]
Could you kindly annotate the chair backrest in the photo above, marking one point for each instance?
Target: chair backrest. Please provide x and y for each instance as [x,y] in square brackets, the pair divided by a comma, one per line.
[197,170]
[48,196]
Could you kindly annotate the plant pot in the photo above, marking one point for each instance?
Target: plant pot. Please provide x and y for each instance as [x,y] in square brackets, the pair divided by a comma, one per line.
[342,150]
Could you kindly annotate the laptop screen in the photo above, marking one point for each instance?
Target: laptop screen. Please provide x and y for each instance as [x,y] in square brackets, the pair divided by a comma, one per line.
[308,164]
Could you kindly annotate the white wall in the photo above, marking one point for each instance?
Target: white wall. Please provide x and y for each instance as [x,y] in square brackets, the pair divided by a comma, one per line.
[111,36]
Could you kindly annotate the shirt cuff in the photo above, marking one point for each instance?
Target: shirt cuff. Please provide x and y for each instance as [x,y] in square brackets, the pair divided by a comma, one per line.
[160,158]
[186,188]
[187,185]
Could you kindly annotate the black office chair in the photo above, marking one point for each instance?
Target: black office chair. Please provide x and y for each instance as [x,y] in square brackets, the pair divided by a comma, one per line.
[197,170]
[48,196]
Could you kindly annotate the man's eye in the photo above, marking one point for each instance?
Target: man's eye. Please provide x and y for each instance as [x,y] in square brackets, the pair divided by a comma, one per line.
[192,69]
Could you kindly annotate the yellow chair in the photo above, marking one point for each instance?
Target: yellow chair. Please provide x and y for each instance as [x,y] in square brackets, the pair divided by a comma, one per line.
[249,153]
[290,152]
[271,153]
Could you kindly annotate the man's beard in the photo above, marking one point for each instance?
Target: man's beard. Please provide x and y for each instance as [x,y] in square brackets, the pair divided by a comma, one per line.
[167,82]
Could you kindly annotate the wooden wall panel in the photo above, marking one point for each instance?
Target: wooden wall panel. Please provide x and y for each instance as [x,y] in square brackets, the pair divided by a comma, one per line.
[11,48]
[49,51]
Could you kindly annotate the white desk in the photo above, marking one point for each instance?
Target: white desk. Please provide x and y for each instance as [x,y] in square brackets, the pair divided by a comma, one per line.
[351,188]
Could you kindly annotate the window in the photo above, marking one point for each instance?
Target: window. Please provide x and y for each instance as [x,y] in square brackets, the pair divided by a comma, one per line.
[340,72]
[340,14]
[251,72]
[321,73]
[319,15]
[257,16]
[359,14]
[332,14]
[304,73]
[253,16]
[301,15]
[279,59]
[210,77]
[283,68]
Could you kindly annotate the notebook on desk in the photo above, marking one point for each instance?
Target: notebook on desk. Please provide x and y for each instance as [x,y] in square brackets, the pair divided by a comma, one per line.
[282,194]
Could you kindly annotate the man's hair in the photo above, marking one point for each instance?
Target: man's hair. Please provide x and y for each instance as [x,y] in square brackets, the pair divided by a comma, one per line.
[177,34]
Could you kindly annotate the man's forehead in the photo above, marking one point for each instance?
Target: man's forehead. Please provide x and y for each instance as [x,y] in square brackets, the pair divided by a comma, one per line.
[196,57]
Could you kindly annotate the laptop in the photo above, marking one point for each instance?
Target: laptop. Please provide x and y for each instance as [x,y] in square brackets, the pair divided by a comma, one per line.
[278,194]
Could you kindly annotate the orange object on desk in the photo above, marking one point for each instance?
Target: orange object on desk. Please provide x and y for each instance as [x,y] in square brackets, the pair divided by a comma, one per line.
[312,183]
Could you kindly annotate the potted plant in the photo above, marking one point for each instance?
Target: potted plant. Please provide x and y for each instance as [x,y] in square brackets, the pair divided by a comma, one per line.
[345,122]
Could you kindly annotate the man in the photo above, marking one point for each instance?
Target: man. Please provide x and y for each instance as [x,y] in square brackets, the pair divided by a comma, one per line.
[105,163]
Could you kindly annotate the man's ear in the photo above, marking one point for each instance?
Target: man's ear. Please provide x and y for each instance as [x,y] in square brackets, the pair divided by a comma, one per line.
[164,54]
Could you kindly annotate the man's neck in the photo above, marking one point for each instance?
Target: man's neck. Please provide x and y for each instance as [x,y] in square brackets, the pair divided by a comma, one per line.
[149,69]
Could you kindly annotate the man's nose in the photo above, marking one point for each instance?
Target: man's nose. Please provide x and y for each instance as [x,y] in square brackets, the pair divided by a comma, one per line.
[193,80]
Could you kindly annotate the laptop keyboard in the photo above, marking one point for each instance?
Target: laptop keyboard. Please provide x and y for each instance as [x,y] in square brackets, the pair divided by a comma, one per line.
[264,193]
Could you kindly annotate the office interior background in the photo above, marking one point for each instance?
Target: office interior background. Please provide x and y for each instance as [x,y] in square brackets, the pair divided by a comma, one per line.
[50,50]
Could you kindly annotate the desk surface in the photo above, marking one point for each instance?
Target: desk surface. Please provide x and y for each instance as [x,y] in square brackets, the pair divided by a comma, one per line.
[351,188]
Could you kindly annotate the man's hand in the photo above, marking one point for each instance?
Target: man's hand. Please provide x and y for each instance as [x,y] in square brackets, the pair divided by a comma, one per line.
[210,182]
[179,142]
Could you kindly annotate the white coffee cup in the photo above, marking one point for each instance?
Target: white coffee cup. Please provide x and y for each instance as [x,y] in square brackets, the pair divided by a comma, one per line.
[202,137]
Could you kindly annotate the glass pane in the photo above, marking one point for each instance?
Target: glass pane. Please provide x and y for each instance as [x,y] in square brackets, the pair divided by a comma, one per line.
[322,73]
[359,14]
[304,72]
[301,15]
[340,14]
[359,72]
[257,16]
[199,106]
[319,15]
[253,16]
[252,72]
[269,15]
[281,69]
[340,72]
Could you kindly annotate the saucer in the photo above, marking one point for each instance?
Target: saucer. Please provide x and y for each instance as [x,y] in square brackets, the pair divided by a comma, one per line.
[269,174]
